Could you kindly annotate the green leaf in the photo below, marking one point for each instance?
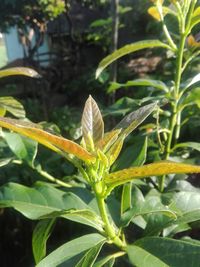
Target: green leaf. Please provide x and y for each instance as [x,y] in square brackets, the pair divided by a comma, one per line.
[139,82]
[186,206]
[19,71]
[193,145]
[107,261]
[8,103]
[90,257]
[54,142]
[172,252]
[191,83]
[45,201]
[155,169]
[134,155]
[192,97]
[40,236]
[24,148]
[142,258]
[150,205]
[126,197]
[135,118]
[195,18]
[127,49]
[92,122]
[70,250]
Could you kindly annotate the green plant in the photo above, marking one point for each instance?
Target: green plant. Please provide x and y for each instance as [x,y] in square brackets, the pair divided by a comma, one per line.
[94,158]
[182,92]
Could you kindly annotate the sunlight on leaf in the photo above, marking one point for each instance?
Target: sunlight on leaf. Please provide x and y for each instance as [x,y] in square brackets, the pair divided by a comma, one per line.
[54,142]
[155,169]
[92,122]
[19,71]
[127,49]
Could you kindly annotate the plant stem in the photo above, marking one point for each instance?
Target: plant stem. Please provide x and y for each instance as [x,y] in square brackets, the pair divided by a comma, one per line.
[53,179]
[109,229]
[173,122]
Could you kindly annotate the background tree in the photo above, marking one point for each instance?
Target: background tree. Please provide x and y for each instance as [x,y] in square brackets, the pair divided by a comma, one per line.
[31,18]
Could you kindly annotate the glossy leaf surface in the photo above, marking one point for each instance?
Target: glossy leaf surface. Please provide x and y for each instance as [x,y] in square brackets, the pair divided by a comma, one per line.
[90,257]
[92,122]
[142,258]
[19,71]
[54,142]
[45,201]
[154,169]
[139,82]
[127,49]
[70,250]
[41,234]
[169,251]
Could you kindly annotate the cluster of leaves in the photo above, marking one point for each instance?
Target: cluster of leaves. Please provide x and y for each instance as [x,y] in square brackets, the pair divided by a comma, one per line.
[157,209]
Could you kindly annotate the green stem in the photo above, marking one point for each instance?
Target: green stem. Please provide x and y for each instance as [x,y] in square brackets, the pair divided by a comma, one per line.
[173,123]
[53,179]
[109,229]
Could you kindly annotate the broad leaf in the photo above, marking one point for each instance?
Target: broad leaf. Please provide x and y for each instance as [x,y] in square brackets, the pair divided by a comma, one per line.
[155,169]
[139,82]
[134,155]
[127,49]
[41,234]
[54,142]
[142,258]
[186,206]
[8,103]
[45,201]
[193,145]
[19,71]
[92,122]
[169,251]
[90,257]
[135,118]
[24,148]
[70,250]
[149,206]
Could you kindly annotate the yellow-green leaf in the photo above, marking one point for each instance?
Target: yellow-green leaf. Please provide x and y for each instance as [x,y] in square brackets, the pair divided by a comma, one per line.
[8,103]
[19,71]
[127,49]
[114,151]
[54,142]
[108,140]
[195,18]
[155,169]
[92,122]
